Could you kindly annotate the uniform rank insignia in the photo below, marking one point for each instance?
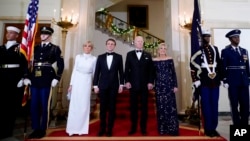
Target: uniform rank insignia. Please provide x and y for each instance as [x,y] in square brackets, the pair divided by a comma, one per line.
[38,73]
[245,58]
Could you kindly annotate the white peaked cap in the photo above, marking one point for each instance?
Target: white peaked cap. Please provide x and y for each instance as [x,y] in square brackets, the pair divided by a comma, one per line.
[206,32]
[12,28]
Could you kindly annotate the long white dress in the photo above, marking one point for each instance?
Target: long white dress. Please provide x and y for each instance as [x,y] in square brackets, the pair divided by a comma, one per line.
[79,106]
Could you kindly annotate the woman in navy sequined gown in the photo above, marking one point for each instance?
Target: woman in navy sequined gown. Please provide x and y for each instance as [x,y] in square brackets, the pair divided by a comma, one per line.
[165,89]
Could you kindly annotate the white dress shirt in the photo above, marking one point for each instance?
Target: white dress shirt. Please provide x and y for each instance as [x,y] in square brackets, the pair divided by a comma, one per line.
[109,60]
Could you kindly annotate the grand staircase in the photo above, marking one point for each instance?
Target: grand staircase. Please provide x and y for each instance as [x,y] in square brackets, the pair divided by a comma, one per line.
[123,31]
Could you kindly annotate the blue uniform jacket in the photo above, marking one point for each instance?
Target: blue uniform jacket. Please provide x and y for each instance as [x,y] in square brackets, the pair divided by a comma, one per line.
[235,67]
[42,72]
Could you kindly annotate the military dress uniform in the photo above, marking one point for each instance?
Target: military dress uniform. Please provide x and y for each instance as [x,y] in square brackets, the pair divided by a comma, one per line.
[41,76]
[236,75]
[206,68]
[13,67]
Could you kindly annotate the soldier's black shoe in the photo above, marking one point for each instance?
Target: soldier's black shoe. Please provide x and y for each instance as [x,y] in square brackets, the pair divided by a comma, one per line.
[41,134]
[215,133]
[209,133]
[33,135]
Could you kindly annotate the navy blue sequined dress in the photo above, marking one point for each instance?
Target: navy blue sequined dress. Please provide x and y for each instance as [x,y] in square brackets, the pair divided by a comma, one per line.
[165,81]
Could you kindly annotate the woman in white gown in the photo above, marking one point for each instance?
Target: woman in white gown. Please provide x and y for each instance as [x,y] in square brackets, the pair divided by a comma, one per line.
[80,91]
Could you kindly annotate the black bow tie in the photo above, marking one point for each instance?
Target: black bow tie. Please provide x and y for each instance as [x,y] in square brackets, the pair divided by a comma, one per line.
[108,53]
[138,51]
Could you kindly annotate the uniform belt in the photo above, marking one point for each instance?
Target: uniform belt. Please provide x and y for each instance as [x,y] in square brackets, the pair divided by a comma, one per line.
[236,67]
[209,65]
[40,64]
[9,65]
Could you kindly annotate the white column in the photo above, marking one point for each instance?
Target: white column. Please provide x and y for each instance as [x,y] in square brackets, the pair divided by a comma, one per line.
[179,51]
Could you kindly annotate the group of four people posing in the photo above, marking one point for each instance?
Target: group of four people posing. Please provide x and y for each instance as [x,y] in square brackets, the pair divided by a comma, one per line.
[110,77]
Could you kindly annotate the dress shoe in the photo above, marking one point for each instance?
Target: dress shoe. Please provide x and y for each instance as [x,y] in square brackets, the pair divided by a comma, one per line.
[131,132]
[109,134]
[101,133]
[215,133]
[33,135]
[41,134]
[209,133]
[144,133]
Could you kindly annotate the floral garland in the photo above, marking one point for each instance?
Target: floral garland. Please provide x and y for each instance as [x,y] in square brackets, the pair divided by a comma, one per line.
[151,45]
[121,31]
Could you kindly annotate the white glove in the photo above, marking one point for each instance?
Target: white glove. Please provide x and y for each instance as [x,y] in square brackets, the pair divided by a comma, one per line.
[225,85]
[20,83]
[197,83]
[54,82]
[26,82]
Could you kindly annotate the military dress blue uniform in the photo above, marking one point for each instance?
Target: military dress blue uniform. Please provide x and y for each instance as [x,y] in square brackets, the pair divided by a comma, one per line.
[206,69]
[13,67]
[236,75]
[41,77]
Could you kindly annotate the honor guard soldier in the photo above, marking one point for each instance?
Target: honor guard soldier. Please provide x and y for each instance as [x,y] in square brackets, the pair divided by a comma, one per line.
[42,77]
[235,63]
[206,74]
[13,67]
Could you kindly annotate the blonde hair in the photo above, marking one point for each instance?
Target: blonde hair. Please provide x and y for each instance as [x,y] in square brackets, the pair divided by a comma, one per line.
[90,43]
[158,48]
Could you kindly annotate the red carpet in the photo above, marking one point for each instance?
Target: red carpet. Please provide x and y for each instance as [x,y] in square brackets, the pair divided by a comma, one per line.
[122,126]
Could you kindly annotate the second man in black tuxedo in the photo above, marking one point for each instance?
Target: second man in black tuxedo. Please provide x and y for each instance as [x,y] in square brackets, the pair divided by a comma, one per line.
[139,80]
[108,81]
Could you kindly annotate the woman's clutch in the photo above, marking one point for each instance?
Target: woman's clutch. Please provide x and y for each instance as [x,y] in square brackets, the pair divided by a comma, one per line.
[68,95]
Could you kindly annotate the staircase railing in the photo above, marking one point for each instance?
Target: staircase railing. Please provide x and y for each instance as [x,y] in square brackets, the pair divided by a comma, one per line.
[125,32]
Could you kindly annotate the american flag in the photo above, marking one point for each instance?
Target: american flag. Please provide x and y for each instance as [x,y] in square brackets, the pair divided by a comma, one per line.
[30,28]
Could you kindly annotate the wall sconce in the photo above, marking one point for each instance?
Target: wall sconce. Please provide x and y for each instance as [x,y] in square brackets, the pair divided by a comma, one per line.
[66,21]
[185,21]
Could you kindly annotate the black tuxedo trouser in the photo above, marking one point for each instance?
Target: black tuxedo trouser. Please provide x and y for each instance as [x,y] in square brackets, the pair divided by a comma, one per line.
[139,97]
[107,107]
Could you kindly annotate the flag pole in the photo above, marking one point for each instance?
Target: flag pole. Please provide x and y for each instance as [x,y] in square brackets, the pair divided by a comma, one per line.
[199,116]
[195,61]
[27,46]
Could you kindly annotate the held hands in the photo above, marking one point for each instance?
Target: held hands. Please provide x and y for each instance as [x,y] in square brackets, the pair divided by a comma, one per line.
[197,83]
[128,85]
[20,83]
[54,82]
[26,82]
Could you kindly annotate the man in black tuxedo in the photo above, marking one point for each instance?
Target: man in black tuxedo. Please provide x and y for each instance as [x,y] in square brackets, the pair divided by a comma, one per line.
[108,81]
[139,80]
